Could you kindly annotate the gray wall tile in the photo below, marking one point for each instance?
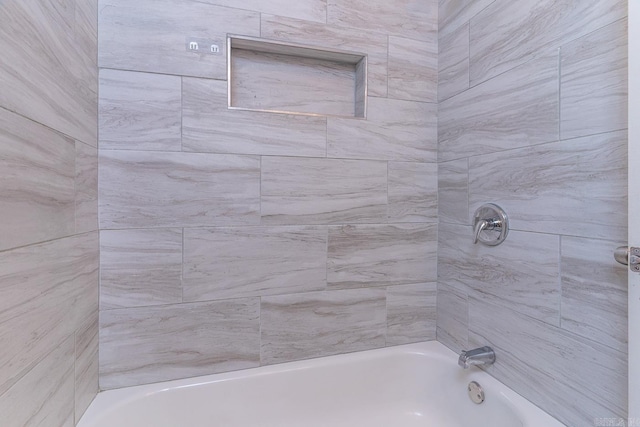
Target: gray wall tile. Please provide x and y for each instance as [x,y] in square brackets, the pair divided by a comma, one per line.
[411,313]
[594,82]
[452,14]
[322,191]
[413,192]
[394,130]
[413,69]
[316,324]
[576,187]
[381,255]
[507,33]
[140,111]
[516,109]
[594,291]
[309,10]
[374,44]
[44,76]
[140,267]
[209,126]
[524,271]
[150,35]
[44,396]
[453,63]
[453,191]
[222,263]
[452,317]
[86,365]
[38,162]
[154,189]
[86,188]
[547,365]
[151,344]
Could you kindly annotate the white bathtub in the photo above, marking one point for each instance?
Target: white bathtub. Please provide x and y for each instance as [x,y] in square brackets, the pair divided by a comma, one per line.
[406,386]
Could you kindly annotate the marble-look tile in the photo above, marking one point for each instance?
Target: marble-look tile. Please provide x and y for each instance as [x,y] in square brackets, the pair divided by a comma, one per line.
[340,37]
[414,19]
[150,344]
[413,69]
[37,174]
[573,379]
[507,33]
[594,82]
[576,187]
[209,126]
[453,191]
[86,365]
[594,291]
[453,63]
[150,35]
[452,317]
[413,192]
[221,263]
[323,191]
[452,14]
[516,109]
[381,255]
[308,10]
[86,37]
[411,313]
[47,291]
[394,130]
[154,189]
[43,74]
[281,82]
[316,324]
[523,271]
[86,188]
[139,111]
[44,396]
[140,267]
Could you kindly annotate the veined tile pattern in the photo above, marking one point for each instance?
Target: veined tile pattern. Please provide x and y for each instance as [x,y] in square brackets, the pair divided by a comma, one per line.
[140,111]
[375,45]
[453,63]
[507,33]
[315,324]
[411,313]
[151,344]
[548,365]
[221,263]
[594,291]
[515,109]
[177,189]
[524,271]
[44,396]
[452,14]
[407,18]
[452,316]
[453,191]
[209,126]
[86,187]
[321,191]
[309,10]
[43,74]
[140,267]
[576,187]
[47,292]
[151,35]
[413,192]
[413,69]
[381,255]
[86,366]
[37,170]
[594,82]
[394,130]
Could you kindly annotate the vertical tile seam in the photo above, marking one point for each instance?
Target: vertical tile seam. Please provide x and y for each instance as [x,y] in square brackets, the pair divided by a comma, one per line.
[560,93]
[560,237]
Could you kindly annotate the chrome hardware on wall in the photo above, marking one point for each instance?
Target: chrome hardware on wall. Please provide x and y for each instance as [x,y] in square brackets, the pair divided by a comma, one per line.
[490,225]
[628,256]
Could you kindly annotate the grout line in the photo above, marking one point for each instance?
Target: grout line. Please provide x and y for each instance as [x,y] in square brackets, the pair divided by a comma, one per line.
[559,93]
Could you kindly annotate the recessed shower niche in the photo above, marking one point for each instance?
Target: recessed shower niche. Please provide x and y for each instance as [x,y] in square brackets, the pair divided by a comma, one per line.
[265,75]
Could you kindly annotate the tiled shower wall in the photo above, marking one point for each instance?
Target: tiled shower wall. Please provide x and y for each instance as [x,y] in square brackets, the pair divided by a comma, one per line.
[49,211]
[532,116]
[233,239]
